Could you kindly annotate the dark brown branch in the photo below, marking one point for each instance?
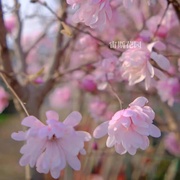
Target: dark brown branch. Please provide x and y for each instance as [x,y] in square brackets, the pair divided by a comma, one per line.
[20,67]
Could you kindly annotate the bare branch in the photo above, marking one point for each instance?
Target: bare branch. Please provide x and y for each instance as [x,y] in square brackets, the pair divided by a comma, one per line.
[41,36]
[20,67]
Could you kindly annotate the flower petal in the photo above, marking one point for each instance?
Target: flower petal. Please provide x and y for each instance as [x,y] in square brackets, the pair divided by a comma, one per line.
[140,101]
[52,115]
[101,130]
[74,162]
[31,121]
[110,141]
[20,136]
[73,119]
[161,60]
[154,131]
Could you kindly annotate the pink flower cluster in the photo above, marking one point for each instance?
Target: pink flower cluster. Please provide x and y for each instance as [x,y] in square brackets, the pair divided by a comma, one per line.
[4,99]
[94,13]
[108,70]
[99,110]
[129,128]
[60,97]
[168,89]
[51,146]
[172,144]
[136,65]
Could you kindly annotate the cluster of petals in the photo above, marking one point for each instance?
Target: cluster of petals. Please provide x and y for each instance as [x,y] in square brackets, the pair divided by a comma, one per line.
[169,21]
[108,70]
[4,99]
[93,13]
[99,110]
[50,147]
[85,51]
[168,89]
[129,128]
[172,144]
[60,97]
[137,66]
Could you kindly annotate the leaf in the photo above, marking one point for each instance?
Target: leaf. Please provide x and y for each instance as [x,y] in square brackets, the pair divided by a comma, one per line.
[67,30]
[36,75]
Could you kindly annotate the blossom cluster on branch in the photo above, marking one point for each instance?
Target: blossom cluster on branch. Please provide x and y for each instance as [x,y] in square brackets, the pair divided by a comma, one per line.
[91,57]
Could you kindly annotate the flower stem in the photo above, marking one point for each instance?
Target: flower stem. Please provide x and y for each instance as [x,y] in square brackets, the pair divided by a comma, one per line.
[116,95]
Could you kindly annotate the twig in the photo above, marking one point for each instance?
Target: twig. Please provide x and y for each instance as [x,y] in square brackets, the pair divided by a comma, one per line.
[158,26]
[20,67]
[76,28]
[116,95]
[14,93]
[38,39]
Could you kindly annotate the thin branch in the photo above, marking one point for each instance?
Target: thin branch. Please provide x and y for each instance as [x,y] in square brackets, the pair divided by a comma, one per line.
[158,26]
[76,28]
[41,36]
[14,93]
[116,95]
[20,67]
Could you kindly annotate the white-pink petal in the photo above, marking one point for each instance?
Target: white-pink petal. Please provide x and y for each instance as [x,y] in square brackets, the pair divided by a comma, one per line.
[140,101]
[154,131]
[52,115]
[20,136]
[101,130]
[74,162]
[111,141]
[120,149]
[73,119]
[161,60]
[31,121]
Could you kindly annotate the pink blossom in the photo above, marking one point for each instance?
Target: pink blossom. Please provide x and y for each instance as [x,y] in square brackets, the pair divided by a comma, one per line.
[169,21]
[172,144]
[168,89]
[94,13]
[85,51]
[129,128]
[88,84]
[108,70]
[49,147]
[60,97]
[136,64]
[4,99]
[99,110]
[10,23]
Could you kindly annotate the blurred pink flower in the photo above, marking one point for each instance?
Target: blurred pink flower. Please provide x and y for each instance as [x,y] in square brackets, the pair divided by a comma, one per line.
[108,70]
[129,128]
[85,50]
[10,23]
[88,84]
[4,99]
[136,65]
[168,89]
[94,13]
[99,110]
[169,21]
[51,146]
[172,144]
[60,97]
